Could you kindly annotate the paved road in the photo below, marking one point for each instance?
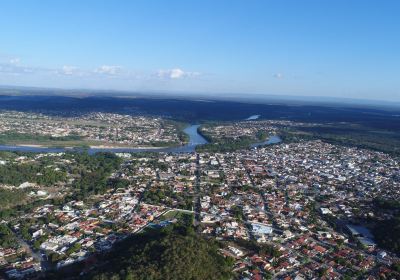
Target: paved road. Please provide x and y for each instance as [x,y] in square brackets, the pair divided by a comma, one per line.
[196,197]
[45,265]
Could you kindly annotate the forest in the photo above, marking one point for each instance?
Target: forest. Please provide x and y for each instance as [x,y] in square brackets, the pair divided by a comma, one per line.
[386,232]
[92,172]
[387,235]
[16,174]
[347,134]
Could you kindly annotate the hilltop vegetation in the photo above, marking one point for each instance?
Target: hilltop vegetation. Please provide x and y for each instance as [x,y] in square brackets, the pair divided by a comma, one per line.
[175,252]
[387,235]
[386,232]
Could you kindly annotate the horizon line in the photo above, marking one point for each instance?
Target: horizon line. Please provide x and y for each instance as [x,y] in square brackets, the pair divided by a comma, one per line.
[224,96]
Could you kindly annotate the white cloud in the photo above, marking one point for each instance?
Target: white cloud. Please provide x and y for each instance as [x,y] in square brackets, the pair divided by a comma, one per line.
[15,60]
[175,73]
[68,70]
[278,75]
[17,69]
[109,75]
[108,69]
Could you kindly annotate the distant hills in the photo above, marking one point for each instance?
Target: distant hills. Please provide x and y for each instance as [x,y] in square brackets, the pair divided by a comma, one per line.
[236,97]
[199,109]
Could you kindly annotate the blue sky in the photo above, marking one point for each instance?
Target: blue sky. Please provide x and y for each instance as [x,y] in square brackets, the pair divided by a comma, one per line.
[339,48]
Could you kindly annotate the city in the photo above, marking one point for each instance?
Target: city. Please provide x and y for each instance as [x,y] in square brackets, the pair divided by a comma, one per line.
[291,210]
[199,140]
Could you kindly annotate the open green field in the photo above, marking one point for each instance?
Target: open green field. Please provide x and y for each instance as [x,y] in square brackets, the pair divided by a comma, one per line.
[174,214]
[66,141]
[12,138]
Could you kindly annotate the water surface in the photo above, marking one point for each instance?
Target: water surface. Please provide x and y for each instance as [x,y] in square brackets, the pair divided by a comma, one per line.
[275,139]
[194,139]
[252,117]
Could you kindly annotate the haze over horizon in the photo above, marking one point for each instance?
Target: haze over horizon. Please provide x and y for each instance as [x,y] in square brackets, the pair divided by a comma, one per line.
[342,49]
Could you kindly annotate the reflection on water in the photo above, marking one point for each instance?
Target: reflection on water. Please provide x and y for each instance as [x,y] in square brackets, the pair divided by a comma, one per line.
[272,140]
[253,117]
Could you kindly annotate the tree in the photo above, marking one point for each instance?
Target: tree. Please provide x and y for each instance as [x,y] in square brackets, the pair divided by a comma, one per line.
[175,252]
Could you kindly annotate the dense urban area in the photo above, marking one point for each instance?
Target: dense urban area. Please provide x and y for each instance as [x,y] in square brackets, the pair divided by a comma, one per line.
[199,140]
[303,208]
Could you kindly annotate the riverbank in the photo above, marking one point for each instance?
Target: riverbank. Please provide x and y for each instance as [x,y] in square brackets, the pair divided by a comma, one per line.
[128,147]
[195,140]
[87,146]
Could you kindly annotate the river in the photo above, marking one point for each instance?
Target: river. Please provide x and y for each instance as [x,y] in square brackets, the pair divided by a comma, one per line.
[275,139]
[195,139]
[253,117]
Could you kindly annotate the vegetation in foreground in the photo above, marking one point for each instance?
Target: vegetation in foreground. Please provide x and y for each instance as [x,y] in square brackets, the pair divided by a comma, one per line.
[174,252]
[386,232]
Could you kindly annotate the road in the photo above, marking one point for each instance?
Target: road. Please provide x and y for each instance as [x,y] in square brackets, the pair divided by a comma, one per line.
[197,194]
[45,265]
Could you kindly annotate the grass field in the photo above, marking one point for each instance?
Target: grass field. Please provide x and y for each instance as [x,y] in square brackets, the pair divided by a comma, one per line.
[173,214]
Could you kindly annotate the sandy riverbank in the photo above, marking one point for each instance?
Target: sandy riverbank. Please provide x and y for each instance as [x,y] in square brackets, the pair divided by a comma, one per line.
[91,147]
[126,147]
